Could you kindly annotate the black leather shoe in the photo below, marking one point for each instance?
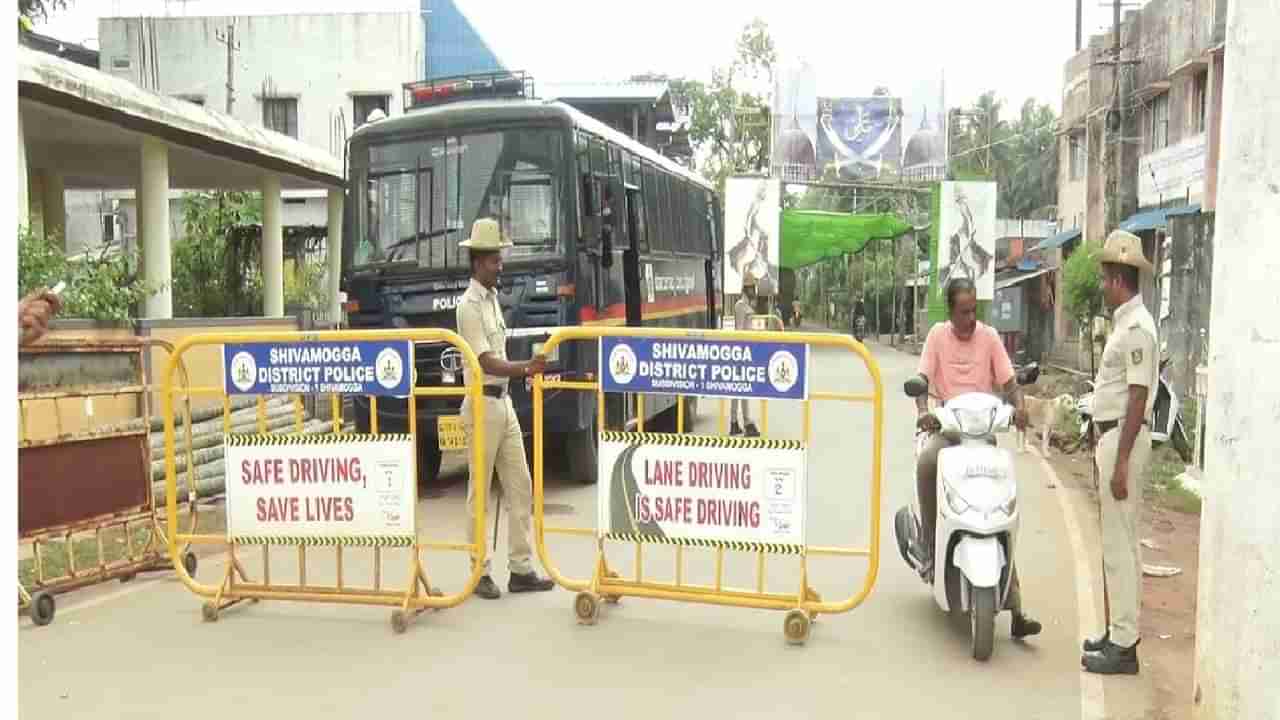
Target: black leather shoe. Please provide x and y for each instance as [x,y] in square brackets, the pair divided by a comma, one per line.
[752,430]
[487,589]
[529,582]
[1095,644]
[1112,660]
[1023,626]
[734,429]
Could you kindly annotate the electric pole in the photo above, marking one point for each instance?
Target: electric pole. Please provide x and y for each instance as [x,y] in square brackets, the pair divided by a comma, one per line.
[1114,127]
[229,39]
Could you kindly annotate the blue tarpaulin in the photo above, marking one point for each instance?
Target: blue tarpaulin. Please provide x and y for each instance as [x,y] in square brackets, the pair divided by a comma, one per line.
[1057,241]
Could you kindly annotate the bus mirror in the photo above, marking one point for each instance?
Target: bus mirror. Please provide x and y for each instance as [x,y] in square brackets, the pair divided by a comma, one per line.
[606,244]
[588,196]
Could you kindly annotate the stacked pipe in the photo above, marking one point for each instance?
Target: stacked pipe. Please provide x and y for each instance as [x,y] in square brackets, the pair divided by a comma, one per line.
[208,468]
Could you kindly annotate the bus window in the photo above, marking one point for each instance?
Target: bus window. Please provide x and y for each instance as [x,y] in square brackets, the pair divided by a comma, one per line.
[652,209]
[421,197]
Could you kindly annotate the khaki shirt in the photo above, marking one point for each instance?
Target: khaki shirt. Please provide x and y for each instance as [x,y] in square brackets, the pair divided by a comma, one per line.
[1128,359]
[480,323]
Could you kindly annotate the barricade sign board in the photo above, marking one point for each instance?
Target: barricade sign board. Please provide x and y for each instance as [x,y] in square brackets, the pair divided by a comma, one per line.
[737,493]
[706,367]
[320,489]
[349,367]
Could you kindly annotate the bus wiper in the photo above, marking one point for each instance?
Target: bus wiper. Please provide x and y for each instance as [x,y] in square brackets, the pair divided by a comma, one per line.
[413,240]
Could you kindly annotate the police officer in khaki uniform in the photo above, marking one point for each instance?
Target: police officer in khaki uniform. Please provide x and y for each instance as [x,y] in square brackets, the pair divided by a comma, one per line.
[480,323]
[1124,395]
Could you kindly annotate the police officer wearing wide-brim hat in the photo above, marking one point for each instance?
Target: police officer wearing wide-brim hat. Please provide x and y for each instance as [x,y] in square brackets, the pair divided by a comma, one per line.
[1124,396]
[480,323]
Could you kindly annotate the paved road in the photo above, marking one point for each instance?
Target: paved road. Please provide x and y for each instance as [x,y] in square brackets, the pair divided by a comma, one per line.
[141,650]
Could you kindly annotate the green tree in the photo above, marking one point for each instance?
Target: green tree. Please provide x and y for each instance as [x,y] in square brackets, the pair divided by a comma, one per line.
[729,116]
[215,269]
[1020,157]
[1082,284]
[99,286]
[39,8]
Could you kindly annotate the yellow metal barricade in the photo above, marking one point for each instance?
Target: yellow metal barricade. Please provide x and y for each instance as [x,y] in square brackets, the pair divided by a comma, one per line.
[235,585]
[803,605]
[84,487]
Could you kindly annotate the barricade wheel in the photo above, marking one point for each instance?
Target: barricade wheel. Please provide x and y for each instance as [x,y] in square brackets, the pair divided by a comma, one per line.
[399,622]
[587,607]
[435,592]
[190,563]
[796,626]
[209,612]
[42,608]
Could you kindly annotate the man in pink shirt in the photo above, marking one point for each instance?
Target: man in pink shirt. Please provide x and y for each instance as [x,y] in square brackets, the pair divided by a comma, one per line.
[962,356]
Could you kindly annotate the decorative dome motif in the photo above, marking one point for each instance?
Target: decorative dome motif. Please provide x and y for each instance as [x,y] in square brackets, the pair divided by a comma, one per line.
[925,147]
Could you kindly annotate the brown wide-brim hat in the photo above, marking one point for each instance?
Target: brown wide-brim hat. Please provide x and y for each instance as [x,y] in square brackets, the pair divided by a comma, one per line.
[1125,248]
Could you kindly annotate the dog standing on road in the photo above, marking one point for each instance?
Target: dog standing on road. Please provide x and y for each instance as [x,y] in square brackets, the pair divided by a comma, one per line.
[1043,413]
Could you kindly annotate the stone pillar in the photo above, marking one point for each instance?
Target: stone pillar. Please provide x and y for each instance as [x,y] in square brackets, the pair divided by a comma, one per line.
[272,248]
[24,202]
[153,228]
[334,245]
[1238,618]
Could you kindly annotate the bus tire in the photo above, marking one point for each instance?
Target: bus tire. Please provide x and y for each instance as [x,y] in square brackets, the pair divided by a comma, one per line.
[582,450]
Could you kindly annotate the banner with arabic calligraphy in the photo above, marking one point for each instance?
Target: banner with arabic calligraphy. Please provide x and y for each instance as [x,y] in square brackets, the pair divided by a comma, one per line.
[860,137]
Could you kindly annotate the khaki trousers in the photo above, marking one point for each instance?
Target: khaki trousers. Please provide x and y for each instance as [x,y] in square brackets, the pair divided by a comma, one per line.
[1121,545]
[504,450]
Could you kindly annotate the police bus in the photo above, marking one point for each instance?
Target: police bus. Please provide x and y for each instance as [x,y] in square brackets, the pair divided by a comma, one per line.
[606,232]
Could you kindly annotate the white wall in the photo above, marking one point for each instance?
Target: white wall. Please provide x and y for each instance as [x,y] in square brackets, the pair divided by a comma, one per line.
[320,59]
[1238,621]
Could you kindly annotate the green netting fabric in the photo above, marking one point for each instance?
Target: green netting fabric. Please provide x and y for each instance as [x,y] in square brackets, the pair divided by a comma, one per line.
[808,236]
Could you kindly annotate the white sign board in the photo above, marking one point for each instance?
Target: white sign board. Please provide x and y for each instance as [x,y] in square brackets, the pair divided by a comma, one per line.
[967,236]
[740,493]
[1173,172]
[751,227]
[320,489]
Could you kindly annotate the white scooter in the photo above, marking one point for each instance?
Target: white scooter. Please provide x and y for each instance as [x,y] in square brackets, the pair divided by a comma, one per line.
[977,512]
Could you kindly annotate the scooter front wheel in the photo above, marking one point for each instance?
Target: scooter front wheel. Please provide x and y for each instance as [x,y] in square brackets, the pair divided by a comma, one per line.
[982,615]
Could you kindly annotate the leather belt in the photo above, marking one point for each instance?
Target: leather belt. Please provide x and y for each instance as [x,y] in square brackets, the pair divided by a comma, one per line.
[497,392]
[1106,426]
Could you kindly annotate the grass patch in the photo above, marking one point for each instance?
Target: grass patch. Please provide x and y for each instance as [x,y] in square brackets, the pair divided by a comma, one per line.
[53,554]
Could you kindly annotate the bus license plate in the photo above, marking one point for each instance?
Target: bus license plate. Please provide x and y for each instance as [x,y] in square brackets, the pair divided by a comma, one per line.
[450,434]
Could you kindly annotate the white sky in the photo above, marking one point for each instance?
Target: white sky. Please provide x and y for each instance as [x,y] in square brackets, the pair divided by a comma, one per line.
[1016,47]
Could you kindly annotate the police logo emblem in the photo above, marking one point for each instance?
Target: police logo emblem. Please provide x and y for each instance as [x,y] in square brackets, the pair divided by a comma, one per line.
[1136,356]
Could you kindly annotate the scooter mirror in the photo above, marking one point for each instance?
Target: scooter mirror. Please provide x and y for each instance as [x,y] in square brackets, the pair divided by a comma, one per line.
[916,386]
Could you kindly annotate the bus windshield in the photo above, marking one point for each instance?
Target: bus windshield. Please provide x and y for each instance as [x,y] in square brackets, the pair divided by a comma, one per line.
[420,197]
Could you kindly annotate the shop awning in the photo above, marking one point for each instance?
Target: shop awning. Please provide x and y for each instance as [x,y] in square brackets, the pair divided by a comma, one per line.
[809,236]
[1191,209]
[1144,221]
[1057,241]
[1010,281]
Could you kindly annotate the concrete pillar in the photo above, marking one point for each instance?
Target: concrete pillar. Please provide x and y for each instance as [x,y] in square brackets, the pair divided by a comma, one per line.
[153,227]
[24,203]
[55,208]
[334,244]
[1238,618]
[272,248]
